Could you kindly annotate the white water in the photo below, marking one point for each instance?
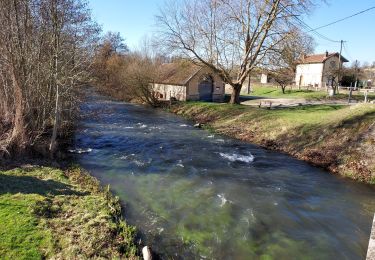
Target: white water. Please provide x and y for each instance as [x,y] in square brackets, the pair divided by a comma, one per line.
[233,157]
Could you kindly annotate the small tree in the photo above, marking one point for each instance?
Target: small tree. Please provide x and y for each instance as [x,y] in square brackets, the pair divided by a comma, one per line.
[139,75]
[283,76]
[282,65]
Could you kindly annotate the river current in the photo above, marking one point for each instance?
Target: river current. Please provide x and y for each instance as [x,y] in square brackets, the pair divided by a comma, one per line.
[194,194]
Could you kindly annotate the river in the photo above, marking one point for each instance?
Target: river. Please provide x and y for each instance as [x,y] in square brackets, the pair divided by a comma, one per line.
[194,194]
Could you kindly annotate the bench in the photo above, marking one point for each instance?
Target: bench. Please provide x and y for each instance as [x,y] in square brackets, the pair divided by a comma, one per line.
[266,103]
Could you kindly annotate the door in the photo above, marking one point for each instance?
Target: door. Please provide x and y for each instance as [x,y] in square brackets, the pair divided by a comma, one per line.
[205,88]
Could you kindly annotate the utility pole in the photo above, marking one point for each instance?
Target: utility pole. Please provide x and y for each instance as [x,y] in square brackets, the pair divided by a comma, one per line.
[356,73]
[340,63]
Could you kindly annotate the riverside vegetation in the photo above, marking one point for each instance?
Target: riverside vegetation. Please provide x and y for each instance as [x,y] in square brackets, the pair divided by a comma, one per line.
[47,54]
[339,138]
[50,213]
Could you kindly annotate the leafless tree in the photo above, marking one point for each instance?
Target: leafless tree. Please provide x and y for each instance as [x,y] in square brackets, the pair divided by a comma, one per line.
[232,37]
[45,50]
[127,75]
[283,77]
[282,65]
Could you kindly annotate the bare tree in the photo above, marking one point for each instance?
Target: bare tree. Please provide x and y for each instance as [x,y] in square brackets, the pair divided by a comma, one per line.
[45,52]
[127,75]
[232,37]
[283,77]
[139,75]
[282,65]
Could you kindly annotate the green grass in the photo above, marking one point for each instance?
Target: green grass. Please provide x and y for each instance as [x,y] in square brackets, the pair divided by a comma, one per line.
[337,137]
[21,235]
[46,213]
[276,92]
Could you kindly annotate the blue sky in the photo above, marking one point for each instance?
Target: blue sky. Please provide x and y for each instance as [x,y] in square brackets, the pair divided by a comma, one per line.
[135,19]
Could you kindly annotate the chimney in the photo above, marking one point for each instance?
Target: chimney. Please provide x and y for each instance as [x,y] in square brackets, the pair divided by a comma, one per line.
[326,53]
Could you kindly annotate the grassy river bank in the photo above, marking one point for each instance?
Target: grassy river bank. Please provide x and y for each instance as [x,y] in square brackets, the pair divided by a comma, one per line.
[338,138]
[50,213]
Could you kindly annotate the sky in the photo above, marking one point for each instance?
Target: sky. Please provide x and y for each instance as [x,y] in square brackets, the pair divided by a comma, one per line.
[135,19]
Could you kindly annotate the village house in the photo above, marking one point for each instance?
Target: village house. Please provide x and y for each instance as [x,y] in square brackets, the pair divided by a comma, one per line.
[187,81]
[317,70]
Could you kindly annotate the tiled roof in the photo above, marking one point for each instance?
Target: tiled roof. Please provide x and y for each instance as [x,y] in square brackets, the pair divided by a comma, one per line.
[319,58]
[178,73]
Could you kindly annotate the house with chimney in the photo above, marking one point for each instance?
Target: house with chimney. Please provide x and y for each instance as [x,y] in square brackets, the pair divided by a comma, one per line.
[318,70]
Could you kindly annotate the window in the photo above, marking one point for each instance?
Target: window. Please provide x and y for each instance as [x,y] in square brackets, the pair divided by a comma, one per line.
[332,64]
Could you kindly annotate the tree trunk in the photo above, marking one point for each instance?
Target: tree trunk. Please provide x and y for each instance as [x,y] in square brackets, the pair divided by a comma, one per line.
[248,85]
[283,89]
[235,97]
[52,146]
[18,137]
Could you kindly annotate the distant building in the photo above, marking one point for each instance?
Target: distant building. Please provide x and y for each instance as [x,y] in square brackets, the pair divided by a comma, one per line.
[315,70]
[264,78]
[187,81]
[370,75]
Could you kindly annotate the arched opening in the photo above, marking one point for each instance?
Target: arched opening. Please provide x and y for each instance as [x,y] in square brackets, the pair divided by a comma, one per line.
[206,88]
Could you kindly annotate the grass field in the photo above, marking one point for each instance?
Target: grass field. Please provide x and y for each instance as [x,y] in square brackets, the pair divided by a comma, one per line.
[340,138]
[276,92]
[48,213]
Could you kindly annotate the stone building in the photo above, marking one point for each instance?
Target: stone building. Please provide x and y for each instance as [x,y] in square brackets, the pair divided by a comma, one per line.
[317,70]
[187,81]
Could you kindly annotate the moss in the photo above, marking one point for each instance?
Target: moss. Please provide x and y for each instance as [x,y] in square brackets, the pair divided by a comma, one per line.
[46,212]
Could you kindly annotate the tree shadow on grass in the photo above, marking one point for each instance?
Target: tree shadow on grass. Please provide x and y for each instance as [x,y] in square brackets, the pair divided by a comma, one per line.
[32,185]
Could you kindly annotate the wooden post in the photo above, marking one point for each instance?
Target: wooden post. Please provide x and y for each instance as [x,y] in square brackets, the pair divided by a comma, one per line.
[371,244]
[366,92]
[146,252]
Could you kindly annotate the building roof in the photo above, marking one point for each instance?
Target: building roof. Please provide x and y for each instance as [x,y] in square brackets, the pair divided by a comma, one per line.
[319,58]
[177,73]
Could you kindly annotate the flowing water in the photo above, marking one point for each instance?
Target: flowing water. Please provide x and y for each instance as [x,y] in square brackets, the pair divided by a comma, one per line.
[193,194]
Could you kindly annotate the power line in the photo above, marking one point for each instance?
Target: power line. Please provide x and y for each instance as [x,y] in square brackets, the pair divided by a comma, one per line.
[343,19]
[307,27]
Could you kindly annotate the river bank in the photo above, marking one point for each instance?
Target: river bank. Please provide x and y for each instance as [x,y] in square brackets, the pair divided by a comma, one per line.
[53,213]
[338,138]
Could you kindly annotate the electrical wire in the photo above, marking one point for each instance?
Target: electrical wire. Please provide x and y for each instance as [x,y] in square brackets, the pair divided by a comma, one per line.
[343,19]
[309,28]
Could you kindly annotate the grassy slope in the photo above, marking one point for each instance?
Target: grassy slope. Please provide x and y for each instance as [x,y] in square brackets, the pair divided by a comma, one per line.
[339,138]
[274,92]
[47,213]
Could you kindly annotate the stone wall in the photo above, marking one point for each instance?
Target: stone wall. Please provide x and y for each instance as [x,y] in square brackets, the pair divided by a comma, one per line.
[167,91]
[218,91]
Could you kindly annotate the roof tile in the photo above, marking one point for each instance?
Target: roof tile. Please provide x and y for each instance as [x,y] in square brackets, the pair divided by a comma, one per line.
[177,73]
[319,58]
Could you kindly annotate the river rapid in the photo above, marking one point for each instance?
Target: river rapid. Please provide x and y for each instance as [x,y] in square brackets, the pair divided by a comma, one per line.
[194,194]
